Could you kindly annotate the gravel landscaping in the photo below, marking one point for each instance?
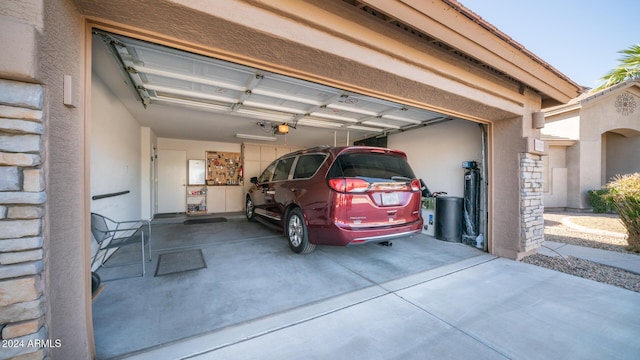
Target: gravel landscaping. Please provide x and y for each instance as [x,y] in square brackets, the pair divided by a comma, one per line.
[557,232]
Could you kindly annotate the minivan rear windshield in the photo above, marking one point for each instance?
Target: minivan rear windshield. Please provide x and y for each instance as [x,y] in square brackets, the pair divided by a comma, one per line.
[370,165]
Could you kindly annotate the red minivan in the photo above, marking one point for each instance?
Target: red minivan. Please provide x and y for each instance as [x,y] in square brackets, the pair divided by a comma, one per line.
[338,196]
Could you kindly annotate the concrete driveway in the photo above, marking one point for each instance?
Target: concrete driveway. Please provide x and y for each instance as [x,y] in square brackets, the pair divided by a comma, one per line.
[251,274]
[479,308]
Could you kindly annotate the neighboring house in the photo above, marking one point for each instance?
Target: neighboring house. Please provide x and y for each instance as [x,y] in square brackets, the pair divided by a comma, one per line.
[436,56]
[591,139]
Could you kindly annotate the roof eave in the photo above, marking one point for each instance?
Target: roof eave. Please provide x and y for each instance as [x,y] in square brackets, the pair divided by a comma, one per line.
[484,42]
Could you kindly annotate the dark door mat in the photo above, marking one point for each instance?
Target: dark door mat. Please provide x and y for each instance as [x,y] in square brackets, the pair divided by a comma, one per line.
[204,221]
[165,216]
[177,262]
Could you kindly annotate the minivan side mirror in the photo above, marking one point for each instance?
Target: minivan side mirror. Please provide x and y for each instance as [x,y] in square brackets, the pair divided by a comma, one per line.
[254,180]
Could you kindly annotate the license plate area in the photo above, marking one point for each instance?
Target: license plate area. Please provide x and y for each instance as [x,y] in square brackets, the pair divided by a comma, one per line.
[390,198]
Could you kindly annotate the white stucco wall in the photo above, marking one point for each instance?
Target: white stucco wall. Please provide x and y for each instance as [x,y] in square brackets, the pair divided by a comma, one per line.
[436,153]
[565,125]
[115,156]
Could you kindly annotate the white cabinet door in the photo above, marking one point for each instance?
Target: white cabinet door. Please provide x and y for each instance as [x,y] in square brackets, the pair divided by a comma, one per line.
[216,202]
[234,199]
[172,179]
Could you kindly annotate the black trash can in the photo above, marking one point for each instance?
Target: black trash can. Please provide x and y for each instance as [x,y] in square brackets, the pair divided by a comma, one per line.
[449,218]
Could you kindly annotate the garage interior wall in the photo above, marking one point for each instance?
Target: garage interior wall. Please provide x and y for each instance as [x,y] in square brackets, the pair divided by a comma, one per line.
[436,153]
[196,149]
[115,156]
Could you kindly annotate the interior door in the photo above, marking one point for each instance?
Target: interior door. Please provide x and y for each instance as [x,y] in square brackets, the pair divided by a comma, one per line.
[172,179]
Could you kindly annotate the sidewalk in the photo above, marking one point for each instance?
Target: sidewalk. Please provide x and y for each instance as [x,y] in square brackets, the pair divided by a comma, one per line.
[625,261]
[628,262]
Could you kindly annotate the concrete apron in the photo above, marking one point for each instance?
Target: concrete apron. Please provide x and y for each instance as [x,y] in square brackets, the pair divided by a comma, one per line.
[480,308]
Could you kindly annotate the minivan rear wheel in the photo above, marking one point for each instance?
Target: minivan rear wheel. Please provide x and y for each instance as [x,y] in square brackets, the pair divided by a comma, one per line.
[297,233]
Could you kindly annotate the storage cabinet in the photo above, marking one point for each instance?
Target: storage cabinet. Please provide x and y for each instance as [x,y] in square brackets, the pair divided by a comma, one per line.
[216,198]
[234,200]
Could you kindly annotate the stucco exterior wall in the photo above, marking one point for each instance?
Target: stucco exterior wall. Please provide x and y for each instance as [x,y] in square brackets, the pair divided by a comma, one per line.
[61,52]
[607,142]
[599,116]
[21,21]
[621,155]
[566,125]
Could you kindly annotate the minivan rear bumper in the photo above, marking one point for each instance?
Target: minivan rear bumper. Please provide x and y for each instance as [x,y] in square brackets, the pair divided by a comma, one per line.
[340,236]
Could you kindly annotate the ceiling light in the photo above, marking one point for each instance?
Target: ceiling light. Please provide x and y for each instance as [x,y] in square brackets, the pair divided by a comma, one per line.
[256,137]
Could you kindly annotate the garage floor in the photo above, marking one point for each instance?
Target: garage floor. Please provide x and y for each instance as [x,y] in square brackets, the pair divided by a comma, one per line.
[250,274]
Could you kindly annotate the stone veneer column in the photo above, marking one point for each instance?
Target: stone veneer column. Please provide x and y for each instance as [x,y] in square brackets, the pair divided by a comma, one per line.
[531,204]
[22,199]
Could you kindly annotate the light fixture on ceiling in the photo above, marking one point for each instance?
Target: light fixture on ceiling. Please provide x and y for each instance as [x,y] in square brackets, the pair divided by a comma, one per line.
[282,129]
[255,137]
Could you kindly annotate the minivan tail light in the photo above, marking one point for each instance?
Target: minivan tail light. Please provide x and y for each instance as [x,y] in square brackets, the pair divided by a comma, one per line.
[349,185]
[415,185]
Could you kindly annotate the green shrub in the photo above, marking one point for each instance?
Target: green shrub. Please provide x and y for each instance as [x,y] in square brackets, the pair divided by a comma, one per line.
[625,192]
[601,201]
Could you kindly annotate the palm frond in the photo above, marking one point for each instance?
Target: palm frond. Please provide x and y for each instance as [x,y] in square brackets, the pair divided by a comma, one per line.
[629,68]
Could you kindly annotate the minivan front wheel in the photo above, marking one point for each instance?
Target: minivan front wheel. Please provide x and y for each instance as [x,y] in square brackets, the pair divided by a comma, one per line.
[249,209]
[297,233]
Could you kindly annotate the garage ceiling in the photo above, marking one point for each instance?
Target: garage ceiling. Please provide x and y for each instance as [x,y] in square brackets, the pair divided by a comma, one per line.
[183,95]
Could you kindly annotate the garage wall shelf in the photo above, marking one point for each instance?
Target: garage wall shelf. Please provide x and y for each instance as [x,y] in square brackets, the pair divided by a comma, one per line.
[196,200]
